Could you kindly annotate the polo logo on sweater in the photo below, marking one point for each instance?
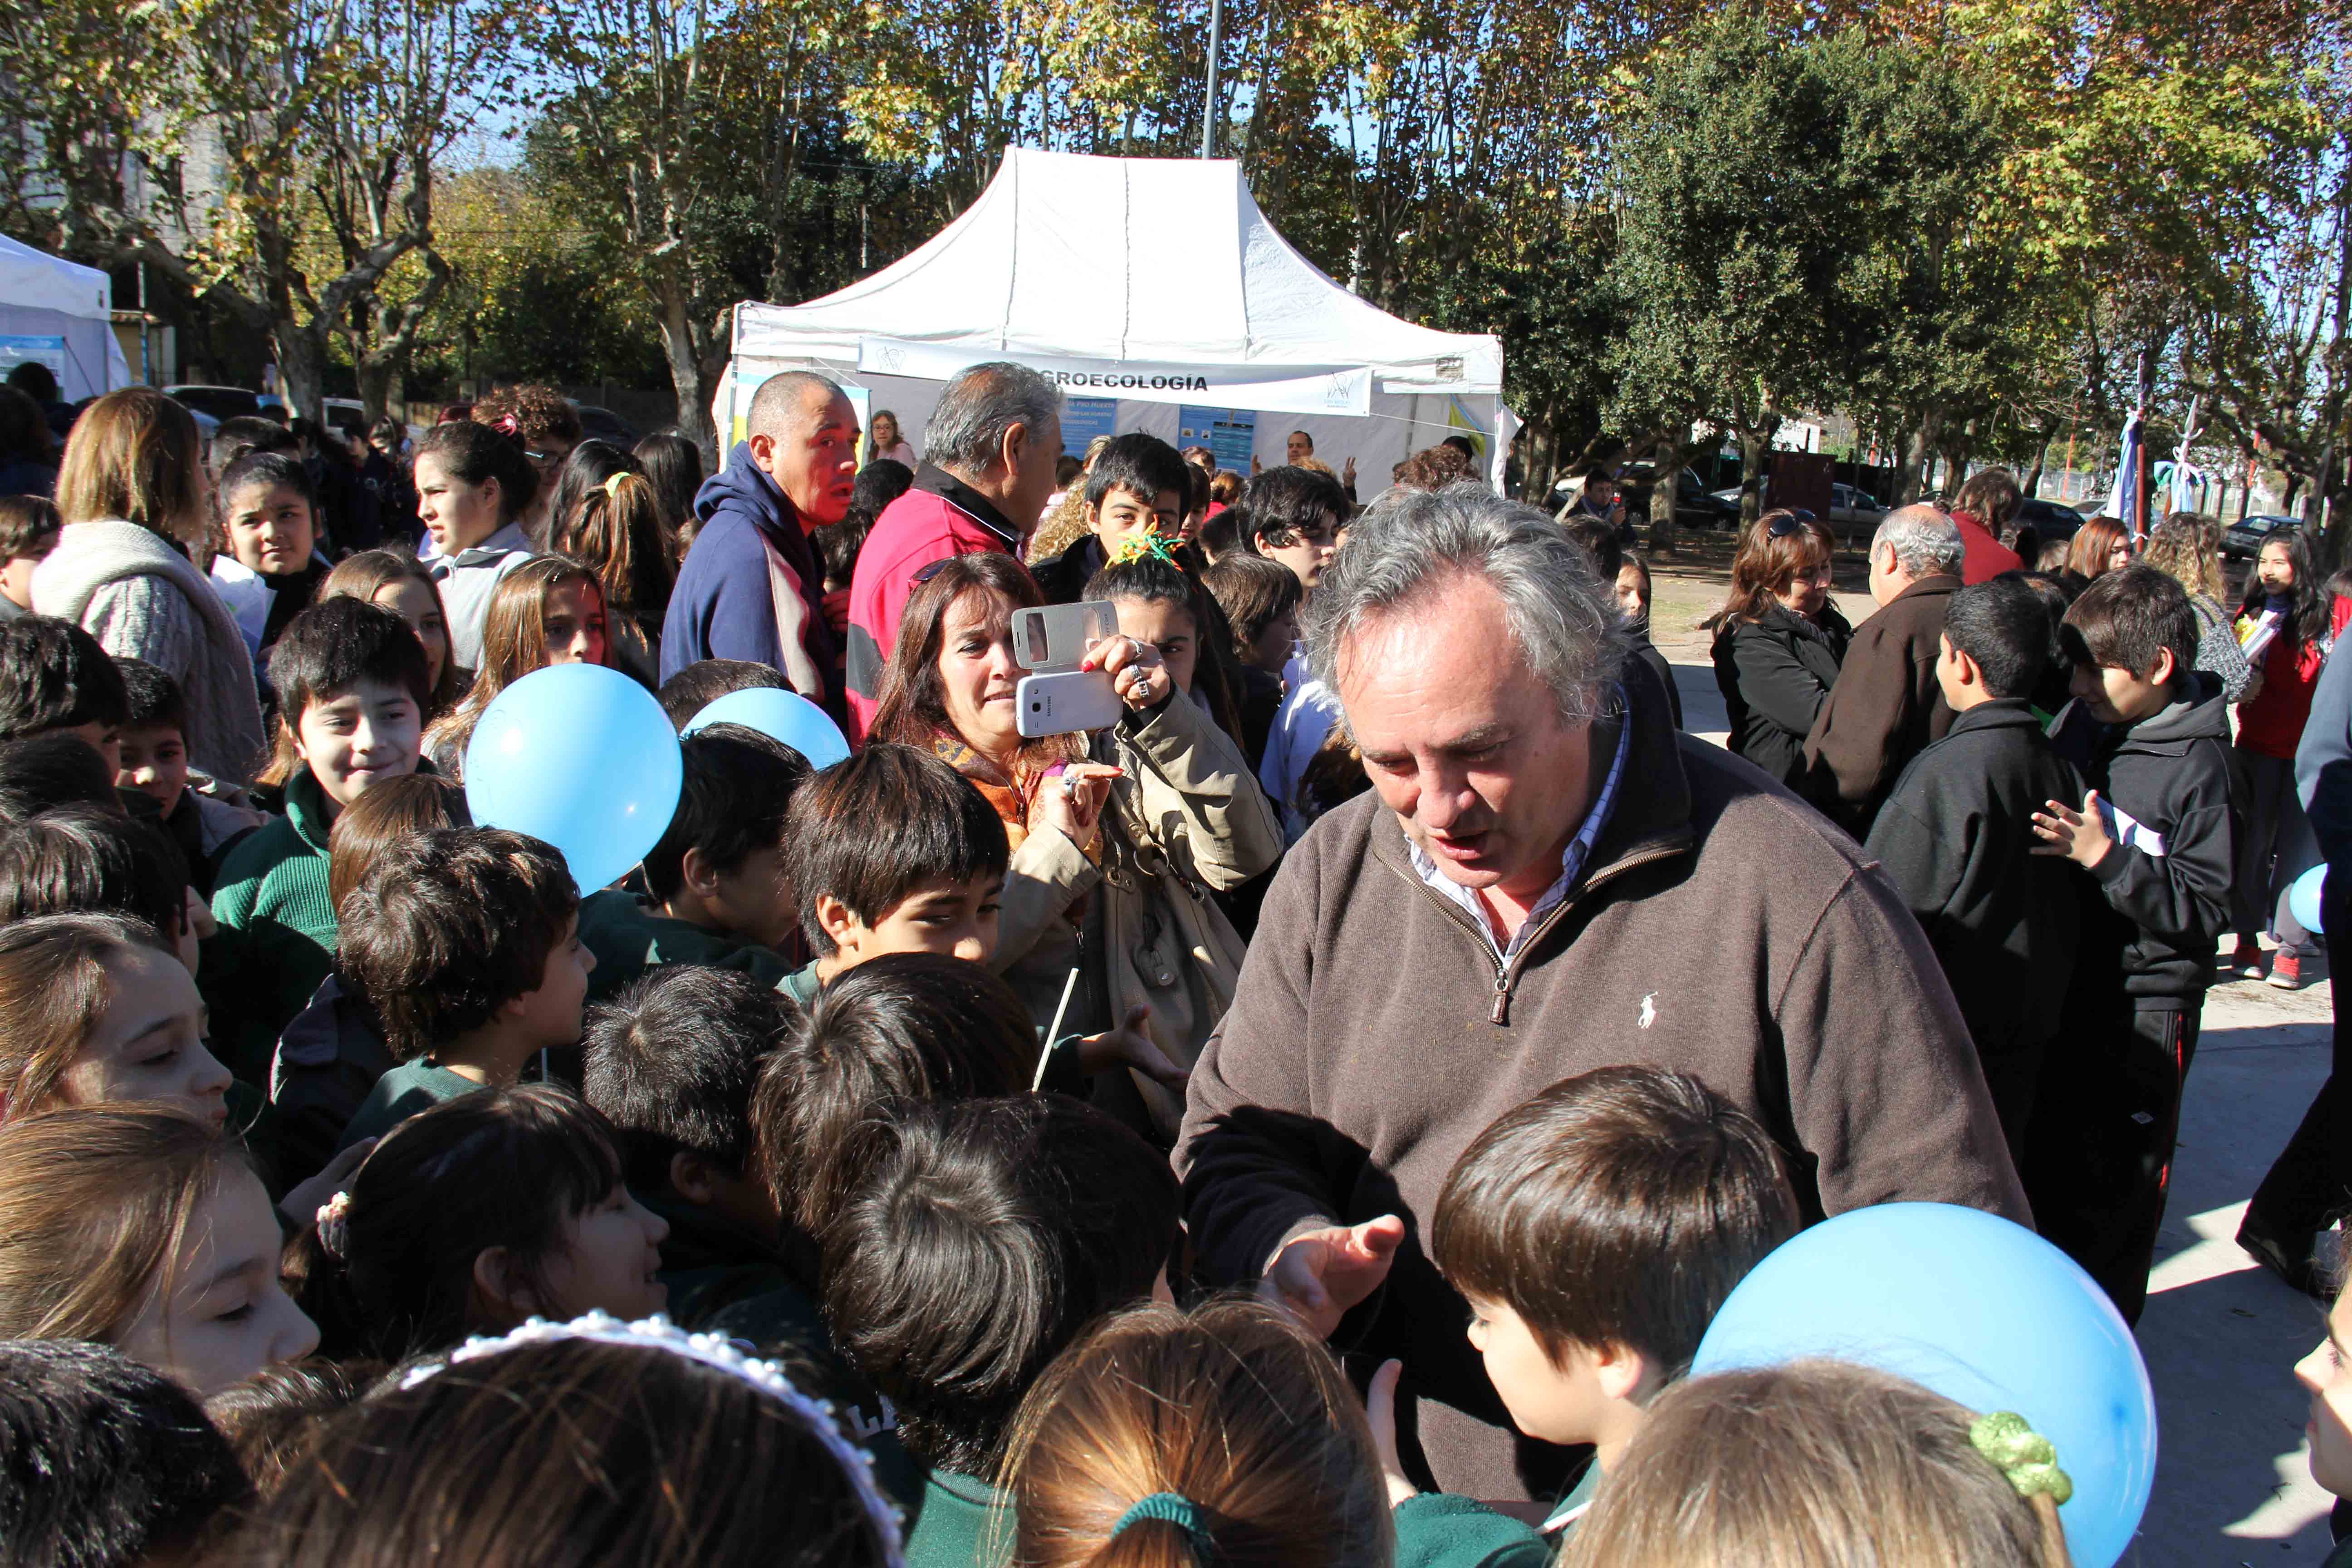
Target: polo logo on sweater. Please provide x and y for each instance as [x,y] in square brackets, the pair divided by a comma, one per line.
[1649,1013]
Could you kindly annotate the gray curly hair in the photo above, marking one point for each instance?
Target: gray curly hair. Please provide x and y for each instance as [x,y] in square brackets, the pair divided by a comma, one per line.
[1412,544]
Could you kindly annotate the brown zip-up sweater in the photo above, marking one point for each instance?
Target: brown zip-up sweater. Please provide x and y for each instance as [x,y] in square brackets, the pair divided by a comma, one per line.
[1724,930]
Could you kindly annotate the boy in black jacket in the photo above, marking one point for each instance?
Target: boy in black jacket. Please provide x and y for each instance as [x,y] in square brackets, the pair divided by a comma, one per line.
[2151,737]
[1955,838]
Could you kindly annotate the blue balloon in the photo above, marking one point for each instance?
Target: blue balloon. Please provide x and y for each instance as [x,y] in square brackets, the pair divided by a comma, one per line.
[786,716]
[1984,1312]
[2303,899]
[582,757]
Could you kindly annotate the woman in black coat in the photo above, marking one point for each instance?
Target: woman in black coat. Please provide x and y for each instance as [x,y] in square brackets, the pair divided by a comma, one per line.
[1778,641]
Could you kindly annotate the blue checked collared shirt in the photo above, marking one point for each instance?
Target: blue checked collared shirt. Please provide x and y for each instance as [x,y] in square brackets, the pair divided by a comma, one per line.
[1572,861]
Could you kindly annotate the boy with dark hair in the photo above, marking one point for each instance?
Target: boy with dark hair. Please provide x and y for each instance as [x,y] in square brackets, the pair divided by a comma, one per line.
[29,526]
[244,435]
[1293,516]
[1260,599]
[465,942]
[985,1238]
[704,682]
[352,690]
[109,1463]
[1138,485]
[894,851]
[55,675]
[204,816]
[1596,1230]
[85,859]
[2150,735]
[716,889]
[671,1064]
[1955,834]
[905,1027]
[55,768]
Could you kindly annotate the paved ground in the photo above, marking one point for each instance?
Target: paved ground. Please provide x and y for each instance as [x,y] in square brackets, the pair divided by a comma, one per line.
[2220,1334]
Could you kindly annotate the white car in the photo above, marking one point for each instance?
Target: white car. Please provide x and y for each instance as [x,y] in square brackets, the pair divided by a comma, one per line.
[1854,508]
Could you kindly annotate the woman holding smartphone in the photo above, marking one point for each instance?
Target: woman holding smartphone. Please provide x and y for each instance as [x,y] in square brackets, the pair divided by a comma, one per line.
[1104,827]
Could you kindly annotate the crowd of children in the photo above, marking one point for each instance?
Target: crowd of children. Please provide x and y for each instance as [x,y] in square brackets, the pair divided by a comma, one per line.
[348,1150]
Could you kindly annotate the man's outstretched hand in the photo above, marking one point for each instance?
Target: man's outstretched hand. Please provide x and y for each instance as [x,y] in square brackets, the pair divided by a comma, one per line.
[1321,1274]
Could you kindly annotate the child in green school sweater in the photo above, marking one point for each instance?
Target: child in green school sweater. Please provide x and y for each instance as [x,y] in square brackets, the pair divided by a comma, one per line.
[983,1238]
[352,683]
[717,893]
[1596,1230]
[464,944]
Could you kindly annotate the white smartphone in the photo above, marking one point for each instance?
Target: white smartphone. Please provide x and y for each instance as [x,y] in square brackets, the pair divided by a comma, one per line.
[1066,702]
[1056,637]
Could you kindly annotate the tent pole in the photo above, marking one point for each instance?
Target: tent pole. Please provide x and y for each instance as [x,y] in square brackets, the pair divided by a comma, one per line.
[1209,107]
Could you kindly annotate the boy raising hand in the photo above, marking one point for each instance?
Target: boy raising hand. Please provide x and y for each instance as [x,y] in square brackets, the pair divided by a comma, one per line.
[2151,736]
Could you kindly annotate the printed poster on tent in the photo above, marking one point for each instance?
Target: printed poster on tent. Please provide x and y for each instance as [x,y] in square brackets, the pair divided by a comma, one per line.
[15,349]
[1231,434]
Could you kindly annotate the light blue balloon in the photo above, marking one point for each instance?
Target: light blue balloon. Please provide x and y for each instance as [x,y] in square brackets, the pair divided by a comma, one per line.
[582,757]
[1984,1312]
[785,716]
[2303,898]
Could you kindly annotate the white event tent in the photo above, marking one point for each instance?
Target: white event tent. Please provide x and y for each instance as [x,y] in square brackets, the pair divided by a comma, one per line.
[1160,297]
[60,313]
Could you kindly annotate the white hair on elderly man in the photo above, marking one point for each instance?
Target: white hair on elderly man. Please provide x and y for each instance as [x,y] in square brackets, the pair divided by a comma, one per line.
[1925,542]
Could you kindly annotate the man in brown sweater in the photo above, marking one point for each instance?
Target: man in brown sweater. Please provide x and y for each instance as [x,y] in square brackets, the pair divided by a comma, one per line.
[1887,707]
[1546,878]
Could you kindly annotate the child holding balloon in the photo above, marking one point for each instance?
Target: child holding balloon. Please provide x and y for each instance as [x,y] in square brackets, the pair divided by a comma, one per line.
[548,611]
[352,690]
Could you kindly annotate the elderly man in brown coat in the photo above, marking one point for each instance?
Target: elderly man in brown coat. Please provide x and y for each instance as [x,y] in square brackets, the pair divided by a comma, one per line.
[1886,708]
[1544,879]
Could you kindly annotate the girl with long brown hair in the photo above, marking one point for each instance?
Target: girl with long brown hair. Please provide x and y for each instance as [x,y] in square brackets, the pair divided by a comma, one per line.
[1227,1435]
[548,610]
[1779,641]
[1819,1462]
[609,516]
[136,1226]
[399,582]
[2100,546]
[96,1008]
[135,502]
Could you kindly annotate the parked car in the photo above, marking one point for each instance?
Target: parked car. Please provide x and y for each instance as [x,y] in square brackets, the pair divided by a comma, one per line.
[1852,508]
[1693,507]
[219,401]
[2243,540]
[2047,518]
[604,424]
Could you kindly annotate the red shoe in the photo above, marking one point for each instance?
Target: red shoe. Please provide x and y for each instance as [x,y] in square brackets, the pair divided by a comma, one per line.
[2286,969]
[2246,960]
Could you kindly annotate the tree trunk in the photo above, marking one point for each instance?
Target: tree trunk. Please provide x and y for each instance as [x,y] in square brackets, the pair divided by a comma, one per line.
[1918,445]
[1663,535]
[303,369]
[696,359]
[377,376]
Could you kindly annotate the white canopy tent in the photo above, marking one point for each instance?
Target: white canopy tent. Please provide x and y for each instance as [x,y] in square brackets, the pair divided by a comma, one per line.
[60,313]
[1160,297]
